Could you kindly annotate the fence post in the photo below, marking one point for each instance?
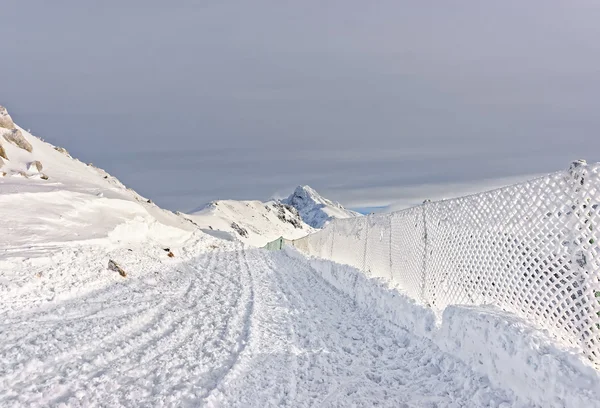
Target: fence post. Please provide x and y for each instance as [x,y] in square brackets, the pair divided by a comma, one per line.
[332,239]
[579,246]
[391,247]
[424,275]
[366,243]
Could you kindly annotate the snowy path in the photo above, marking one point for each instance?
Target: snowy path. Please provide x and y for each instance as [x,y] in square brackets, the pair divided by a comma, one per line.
[234,327]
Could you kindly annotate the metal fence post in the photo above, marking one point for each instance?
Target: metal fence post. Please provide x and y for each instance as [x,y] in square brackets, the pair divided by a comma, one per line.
[332,238]
[425,250]
[366,243]
[391,247]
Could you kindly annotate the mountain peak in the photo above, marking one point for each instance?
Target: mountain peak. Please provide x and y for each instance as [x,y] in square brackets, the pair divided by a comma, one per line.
[314,209]
[303,193]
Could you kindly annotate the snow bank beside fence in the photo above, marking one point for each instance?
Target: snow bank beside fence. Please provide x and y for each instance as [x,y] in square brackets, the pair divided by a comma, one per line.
[508,350]
[530,249]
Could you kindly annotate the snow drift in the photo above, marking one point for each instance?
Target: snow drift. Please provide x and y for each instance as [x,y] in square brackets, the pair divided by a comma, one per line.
[48,198]
[509,351]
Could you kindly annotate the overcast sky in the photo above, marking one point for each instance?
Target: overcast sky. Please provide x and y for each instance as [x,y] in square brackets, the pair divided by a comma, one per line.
[371,103]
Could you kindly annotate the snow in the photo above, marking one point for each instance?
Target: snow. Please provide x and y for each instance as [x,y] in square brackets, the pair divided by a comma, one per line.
[507,350]
[316,210]
[77,202]
[258,222]
[223,324]
[514,355]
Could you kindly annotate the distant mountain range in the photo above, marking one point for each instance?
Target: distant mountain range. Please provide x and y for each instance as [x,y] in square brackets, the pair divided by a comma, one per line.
[257,223]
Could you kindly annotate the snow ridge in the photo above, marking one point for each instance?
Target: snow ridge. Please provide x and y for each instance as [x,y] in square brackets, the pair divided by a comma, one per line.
[252,222]
[49,197]
[316,210]
[507,350]
[257,222]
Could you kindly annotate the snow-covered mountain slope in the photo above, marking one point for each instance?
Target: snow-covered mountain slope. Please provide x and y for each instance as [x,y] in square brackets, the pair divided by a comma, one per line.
[49,198]
[256,222]
[316,210]
[252,222]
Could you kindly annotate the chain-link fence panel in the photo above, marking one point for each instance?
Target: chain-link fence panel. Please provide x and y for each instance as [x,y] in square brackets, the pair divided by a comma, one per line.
[349,241]
[517,248]
[302,245]
[378,249]
[319,244]
[408,251]
[531,249]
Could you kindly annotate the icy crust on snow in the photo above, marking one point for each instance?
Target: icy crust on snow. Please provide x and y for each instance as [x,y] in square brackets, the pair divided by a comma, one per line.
[510,352]
[316,210]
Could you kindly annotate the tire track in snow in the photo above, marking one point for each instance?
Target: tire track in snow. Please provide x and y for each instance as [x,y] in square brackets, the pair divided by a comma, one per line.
[265,372]
[312,346]
[367,361]
[138,332]
[244,337]
[231,328]
[209,339]
[173,328]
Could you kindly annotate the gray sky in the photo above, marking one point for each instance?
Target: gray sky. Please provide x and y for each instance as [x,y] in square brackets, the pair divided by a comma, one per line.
[371,103]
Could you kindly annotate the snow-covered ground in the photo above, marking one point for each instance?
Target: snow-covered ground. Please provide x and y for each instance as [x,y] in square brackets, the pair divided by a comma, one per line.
[204,321]
[229,326]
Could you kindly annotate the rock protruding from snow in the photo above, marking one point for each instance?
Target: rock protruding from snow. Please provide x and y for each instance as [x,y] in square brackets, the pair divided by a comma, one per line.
[316,210]
[2,154]
[5,119]
[16,137]
[35,166]
[62,150]
[243,232]
[113,266]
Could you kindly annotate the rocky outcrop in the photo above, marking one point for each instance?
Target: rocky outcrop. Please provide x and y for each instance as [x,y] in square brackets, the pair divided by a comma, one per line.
[5,119]
[243,232]
[62,150]
[16,137]
[2,153]
[287,213]
[35,166]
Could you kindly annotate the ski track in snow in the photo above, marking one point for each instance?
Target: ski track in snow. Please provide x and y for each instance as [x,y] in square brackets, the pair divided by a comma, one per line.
[233,327]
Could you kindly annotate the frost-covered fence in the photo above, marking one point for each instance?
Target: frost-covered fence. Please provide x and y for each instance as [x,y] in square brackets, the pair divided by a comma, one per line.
[530,248]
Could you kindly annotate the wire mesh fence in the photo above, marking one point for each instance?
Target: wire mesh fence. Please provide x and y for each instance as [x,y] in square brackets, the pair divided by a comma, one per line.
[530,248]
